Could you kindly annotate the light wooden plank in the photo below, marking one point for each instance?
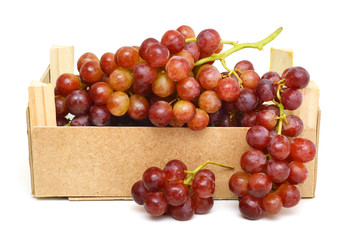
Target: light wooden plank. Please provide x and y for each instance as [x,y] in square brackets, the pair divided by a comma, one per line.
[61,61]
[280,59]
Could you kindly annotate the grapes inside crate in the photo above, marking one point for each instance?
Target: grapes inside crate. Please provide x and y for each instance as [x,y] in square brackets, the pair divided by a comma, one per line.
[103,162]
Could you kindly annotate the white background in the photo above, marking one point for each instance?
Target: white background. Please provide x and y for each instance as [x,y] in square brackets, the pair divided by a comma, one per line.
[319,32]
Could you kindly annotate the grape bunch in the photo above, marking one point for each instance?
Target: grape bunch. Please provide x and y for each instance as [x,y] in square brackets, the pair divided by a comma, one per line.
[176,191]
[170,82]
[276,162]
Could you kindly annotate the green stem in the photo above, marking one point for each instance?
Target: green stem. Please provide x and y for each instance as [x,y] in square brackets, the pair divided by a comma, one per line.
[238,46]
[188,180]
[231,72]
[191,40]
[282,110]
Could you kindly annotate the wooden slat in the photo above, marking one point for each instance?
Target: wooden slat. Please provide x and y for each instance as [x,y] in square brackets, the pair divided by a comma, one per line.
[280,59]
[61,61]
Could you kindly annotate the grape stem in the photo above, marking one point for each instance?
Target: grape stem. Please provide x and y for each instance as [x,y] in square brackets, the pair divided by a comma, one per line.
[281,107]
[236,47]
[188,180]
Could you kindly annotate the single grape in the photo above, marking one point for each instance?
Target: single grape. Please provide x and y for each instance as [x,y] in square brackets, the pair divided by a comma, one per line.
[99,115]
[99,93]
[193,49]
[247,100]
[163,86]
[141,89]
[160,114]
[107,63]
[277,170]
[174,41]
[126,57]
[157,55]
[293,127]
[253,161]
[139,107]
[291,99]
[215,118]
[267,119]
[251,207]
[175,192]
[273,108]
[188,88]
[154,179]
[60,106]
[155,203]
[184,111]
[298,173]
[228,120]
[209,77]
[258,137]
[283,75]
[289,194]
[238,184]
[297,78]
[302,150]
[177,68]
[242,66]
[202,205]
[144,74]
[145,45]
[209,101]
[139,192]
[249,119]
[175,123]
[188,56]
[184,211]
[228,89]
[200,120]
[118,103]
[259,185]
[205,172]
[208,40]
[250,79]
[265,90]
[175,170]
[279,147]
[203,186]
[81,120]
[91,72]
[272,76]
[67,83]
[86,57]
[272,203]
[120,79]
[229,107]
[78,102]
[186,31]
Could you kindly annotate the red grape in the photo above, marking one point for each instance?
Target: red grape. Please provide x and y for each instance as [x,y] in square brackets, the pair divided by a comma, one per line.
[297,78]
[298,173]
[145,45]
[251,207]
[215,118]
[205,172]
[184,111]
[139,192]
[302,150]
[291,99]
[250,79]
[144,74]
[208,40]
[154,179]
[193,49]
[155,203]
[160,114]
[238,184]
[203,186]
[184,211]
[228,89]
[265,90]
[107,63]
[163,86]
[139,107]
[78,102]
[289,194]
[67,83]
[120,79]
[249,119]
[209,77]
[86,57]
[258,137]
[202,205]
[186,31]
[272,203]
[253,161]
[209,101]
[259,185]
[91,72]
[175,192]
[175,170]
[60,106]
[242,66]
[188,89]
[157,55]
[293,127]
[174,41]
[247,100]
[272,76]
[267,119]
[99,93]
[118,103]
[279,147]
[126,57]
[177,68]
[99,115]
[81,120]
[277,170]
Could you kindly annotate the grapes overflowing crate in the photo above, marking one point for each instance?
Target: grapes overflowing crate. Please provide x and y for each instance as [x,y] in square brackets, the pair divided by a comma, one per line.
[102,163]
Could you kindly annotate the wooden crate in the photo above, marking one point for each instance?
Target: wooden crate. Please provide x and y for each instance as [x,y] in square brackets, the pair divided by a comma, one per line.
[102,163]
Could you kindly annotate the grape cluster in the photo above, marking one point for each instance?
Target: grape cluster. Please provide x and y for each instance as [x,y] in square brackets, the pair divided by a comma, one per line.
[176,191]
[159,83]
[275,164]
